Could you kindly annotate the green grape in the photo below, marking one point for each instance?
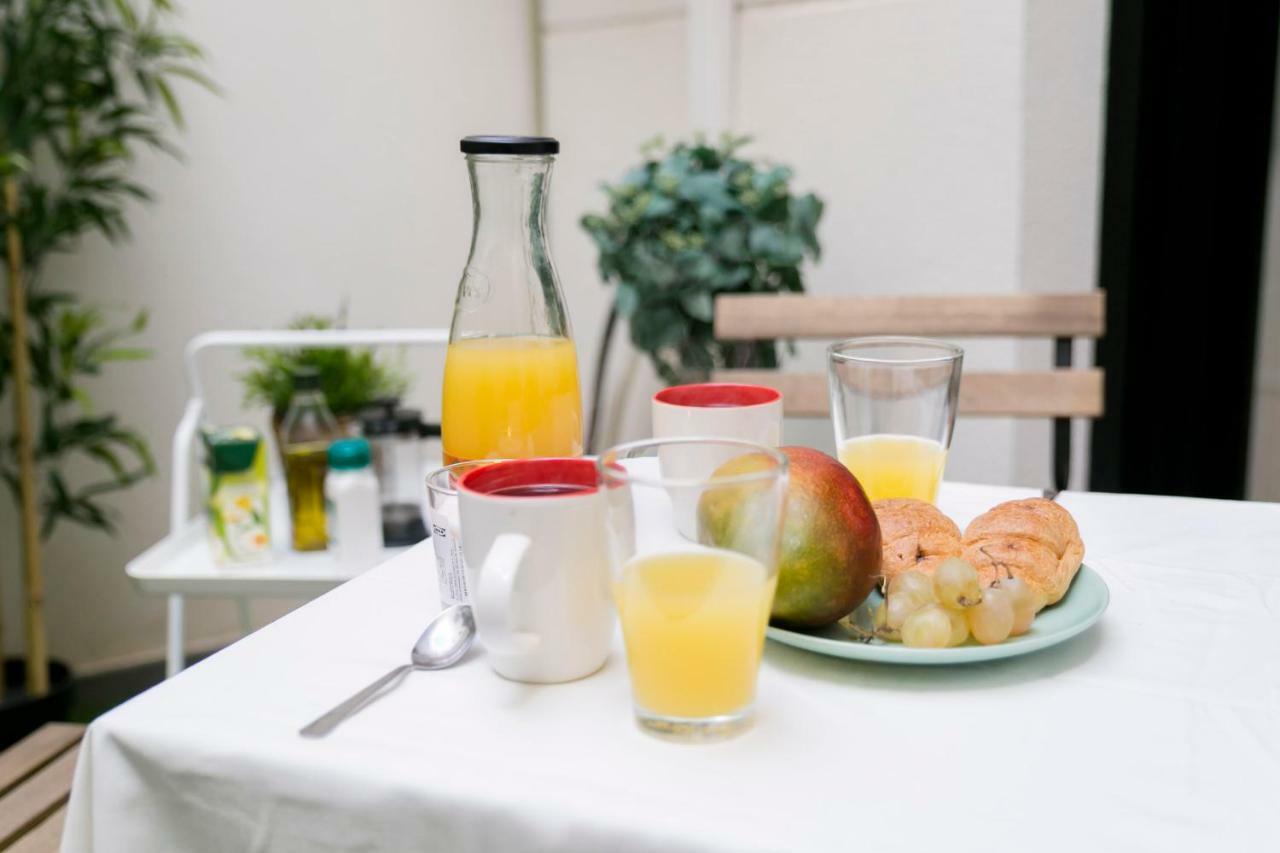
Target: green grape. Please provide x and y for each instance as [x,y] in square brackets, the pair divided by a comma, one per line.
[927,628]
[959,626]
[991,619]
[897,609]
[916,584]
[1024,603]
[907,593]
[880,622]
[955,583]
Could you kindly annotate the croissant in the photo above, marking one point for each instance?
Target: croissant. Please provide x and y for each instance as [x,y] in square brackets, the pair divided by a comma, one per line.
[1034,539]
[914,535]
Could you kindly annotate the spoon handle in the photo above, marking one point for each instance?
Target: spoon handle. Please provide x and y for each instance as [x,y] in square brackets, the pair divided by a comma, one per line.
[327,722]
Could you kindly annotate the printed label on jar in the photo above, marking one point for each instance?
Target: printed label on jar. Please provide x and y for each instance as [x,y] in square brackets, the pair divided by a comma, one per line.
[450,567]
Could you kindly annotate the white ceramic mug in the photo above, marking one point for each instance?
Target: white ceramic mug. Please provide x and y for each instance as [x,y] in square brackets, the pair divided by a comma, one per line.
[534,534]
[723,410]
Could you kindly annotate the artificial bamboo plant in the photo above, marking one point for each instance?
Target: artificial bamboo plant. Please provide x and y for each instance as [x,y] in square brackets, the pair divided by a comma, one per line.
[84,85]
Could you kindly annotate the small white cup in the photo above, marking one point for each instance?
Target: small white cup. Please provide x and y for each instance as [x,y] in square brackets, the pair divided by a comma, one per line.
[534,533]
[723,410]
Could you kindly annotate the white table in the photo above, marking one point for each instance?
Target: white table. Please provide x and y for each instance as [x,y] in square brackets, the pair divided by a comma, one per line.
[1158,729]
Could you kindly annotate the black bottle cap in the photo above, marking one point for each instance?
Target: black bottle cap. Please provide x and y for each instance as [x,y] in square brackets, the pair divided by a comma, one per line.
[510,145]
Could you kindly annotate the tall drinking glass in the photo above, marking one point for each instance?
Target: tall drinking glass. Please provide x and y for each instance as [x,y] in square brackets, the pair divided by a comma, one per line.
[693,610]
[893,405]
[442,518]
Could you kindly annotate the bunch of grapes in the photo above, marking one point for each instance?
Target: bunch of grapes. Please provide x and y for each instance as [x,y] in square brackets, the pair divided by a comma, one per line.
[948,608]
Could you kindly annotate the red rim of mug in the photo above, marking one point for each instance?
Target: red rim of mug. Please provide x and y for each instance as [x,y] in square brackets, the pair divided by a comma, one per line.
[717,395]
[513,473]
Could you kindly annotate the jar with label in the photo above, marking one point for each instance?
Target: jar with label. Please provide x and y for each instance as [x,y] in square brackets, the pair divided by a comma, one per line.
[236,506]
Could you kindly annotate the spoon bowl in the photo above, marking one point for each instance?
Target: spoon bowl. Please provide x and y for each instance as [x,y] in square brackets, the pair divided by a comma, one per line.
[445,639]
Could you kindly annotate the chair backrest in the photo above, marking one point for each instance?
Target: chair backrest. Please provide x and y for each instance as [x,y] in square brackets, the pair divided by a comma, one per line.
[1061,393]
[1058,393]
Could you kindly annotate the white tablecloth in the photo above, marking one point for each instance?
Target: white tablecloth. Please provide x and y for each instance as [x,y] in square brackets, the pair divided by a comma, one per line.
[1158,729]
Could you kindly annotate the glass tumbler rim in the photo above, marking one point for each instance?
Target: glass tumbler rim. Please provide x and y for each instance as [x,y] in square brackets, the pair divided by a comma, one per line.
[435,472]
[615,474]
[845,351]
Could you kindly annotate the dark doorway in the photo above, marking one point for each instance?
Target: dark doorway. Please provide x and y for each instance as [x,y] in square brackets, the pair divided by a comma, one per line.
[1188,142]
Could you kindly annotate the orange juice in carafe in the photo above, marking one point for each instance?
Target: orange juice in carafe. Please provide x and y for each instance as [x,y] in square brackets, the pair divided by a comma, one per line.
[511,397]
[511,371]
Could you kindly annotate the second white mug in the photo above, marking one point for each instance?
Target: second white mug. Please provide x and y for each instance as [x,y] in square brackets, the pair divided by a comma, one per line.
[723,410]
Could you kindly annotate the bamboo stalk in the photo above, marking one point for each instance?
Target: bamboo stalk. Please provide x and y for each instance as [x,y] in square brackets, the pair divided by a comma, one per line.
[37,653]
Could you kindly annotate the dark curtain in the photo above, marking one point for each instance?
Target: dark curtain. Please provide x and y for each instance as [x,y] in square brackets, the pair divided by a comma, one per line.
[1188,142]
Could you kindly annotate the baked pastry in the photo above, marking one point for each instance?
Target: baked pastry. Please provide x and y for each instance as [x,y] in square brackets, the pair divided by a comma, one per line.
[1034,539]
[914,535]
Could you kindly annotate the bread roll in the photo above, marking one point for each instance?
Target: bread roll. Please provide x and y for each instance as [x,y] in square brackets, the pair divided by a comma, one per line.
[914,535]
[1034,539]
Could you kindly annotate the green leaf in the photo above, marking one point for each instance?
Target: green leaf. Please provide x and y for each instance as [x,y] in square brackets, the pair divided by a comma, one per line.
[661,327]
[125,354]
[625,299]
[699,305]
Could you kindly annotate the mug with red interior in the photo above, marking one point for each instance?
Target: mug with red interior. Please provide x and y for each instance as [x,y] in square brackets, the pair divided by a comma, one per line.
[534,534]
[723,410]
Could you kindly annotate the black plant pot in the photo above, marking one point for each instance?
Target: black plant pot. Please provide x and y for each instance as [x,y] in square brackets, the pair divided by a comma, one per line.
[20,713]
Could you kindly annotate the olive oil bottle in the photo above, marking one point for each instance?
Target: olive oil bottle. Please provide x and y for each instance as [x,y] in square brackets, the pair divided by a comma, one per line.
[308,428]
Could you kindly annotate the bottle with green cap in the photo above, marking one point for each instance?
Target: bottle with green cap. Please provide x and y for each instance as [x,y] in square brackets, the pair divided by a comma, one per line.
[236,469]
[351,493]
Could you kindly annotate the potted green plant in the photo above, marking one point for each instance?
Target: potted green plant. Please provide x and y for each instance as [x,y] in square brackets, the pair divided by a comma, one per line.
[83,85]
[689,222]
[351,378]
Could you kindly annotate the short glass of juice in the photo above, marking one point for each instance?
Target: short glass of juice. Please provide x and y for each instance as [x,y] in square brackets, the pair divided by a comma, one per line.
[893,406]
[693,609]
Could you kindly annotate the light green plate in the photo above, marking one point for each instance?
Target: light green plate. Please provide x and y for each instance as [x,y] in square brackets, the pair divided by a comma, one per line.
[1079,608]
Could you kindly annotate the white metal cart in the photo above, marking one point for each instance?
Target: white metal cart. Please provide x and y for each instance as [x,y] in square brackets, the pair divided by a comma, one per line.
[181,564]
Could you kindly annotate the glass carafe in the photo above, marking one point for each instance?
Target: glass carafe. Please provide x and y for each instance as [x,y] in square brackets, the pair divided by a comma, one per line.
[511,372]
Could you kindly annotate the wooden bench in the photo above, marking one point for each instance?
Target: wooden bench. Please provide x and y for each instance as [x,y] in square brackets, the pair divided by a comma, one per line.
[35,782]
[1060,393]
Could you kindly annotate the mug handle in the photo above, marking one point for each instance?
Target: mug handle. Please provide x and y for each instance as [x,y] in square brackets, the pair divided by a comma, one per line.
[497,593]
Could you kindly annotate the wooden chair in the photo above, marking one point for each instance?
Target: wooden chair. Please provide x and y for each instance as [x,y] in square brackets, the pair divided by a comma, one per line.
[35,782]
[1062,393]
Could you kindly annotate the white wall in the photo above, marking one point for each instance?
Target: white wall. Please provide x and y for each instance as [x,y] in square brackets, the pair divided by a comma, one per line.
[956,142]
[329,170]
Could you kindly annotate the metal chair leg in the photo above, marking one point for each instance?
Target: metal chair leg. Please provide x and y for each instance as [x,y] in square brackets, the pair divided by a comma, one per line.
[174,660]
[246,620]
[1061,426]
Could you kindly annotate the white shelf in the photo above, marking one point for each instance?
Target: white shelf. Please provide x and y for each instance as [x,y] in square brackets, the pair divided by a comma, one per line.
[182,564]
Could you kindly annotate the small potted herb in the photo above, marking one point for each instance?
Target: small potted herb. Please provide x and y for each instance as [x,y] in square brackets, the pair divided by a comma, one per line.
[352,378]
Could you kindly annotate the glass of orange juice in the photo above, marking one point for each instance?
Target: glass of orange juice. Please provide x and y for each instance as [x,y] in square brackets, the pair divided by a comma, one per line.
[693,610]
[893,405]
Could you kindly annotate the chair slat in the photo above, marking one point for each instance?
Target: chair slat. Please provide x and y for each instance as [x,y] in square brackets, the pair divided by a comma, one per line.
[45,837]
[35,751]
[794,315]
[1024,394]
[41,795]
